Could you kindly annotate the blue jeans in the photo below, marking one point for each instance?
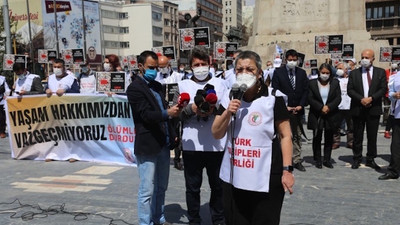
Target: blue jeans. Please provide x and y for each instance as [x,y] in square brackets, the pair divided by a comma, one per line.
[153,175]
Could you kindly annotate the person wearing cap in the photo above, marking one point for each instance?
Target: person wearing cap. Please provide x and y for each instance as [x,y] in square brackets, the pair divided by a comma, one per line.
[367,85]
[293,82]
[352,63]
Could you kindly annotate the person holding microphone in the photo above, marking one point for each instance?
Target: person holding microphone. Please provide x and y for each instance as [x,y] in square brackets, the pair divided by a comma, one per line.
[256,169]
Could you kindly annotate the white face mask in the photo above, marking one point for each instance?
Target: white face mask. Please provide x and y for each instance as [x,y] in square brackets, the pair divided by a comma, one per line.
[164,70]
[58,71]
[201,72]
[340,72]
[269,67]
[107,67]
[324,77]
[246,78]
[394,66]
[365,63]
[291,64]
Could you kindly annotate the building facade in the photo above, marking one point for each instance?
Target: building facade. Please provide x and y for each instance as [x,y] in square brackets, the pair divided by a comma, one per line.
[383,20]
[232,15]
[129,29]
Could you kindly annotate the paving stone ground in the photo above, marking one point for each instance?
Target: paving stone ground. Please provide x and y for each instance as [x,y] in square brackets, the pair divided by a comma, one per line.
[102,192]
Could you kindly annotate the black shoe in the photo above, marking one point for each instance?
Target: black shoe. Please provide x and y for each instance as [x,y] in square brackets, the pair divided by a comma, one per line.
[388,176]
[178,165]
[328,164]
[355,165]
[318,165]
[371,163]
[299,166]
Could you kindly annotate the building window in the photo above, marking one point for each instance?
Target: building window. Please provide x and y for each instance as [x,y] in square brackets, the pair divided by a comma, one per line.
[368,13]
[157,30]
[166,36]
[380,12]
[116,44]
[166,22]
[389,11]
[375,15]
[156,16]
[157,44]
[390,41]
[123,15]
[124,44]
[226,19]
[166,8]
[115,30]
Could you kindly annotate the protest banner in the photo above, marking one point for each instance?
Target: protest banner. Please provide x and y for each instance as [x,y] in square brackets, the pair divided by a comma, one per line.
[224,50]
[110,82]
[385,54]
[78,56]
[335,44]
[190,37]
[94,128]
[43,56]
[348,51]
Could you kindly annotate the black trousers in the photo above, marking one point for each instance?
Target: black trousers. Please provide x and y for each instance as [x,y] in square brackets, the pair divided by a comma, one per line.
[328,142]
[243,207]
[194,163]
[372,124]
[2,119]
[394,166]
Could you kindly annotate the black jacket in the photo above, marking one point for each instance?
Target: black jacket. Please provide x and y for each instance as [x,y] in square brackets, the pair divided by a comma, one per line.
[315,118]
[149,122]
[356,91]
[297,97]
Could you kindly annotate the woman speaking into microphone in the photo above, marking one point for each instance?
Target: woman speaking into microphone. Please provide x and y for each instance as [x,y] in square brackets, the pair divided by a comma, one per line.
[257,165]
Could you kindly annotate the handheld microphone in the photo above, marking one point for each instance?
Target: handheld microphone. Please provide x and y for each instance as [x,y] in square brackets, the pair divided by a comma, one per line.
[235,88]
[243,89]
[237,91]
[202,93]
[198,99]
[183,99]
[208,87]
[211,99]
[205,107]
[211,91]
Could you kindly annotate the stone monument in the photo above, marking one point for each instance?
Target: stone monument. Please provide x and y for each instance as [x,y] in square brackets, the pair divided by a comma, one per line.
[295,23]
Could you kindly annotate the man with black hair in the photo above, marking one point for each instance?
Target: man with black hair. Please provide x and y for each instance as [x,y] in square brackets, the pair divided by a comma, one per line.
[26,83]
[293,82]
[87,79]
[155,136]
[200,149]
[61,81]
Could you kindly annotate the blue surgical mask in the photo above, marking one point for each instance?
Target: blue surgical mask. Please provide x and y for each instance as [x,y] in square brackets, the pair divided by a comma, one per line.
[150,74]
[84,69]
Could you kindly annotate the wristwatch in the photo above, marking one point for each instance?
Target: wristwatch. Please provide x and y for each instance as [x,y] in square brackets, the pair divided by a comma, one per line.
[288,168]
